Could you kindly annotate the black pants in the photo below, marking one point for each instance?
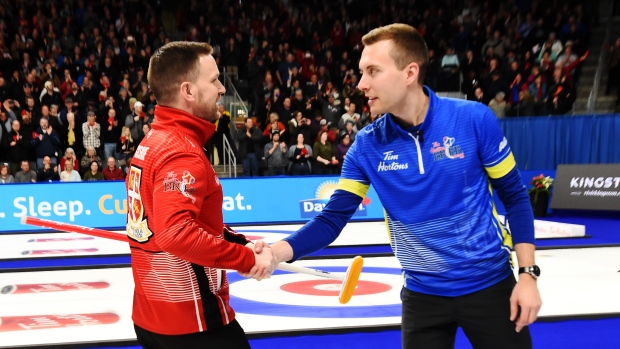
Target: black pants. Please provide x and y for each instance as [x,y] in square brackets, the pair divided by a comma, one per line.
[430,322]
[230,336]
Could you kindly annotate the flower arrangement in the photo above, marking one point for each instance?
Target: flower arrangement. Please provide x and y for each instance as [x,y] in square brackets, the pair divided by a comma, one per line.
[540,184]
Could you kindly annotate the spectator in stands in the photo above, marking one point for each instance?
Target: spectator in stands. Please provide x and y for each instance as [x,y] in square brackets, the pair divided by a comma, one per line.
[125,146]
[19,147]
[249,138]
[450,71]
[110,134]
[275,155]
[538,90]
[299,156]
[91,131]
[274,125]
[69,154]
[72,136]
[498,105]
[50,96]
[113,173]
[48,172]
[94,174]
[69,174]
[329,110]
[26,175]
[46,143]
[323,153]
[5,176]
[348,128]
[135,120]
[146,128]
[222,130]
[350,115]
[90,156]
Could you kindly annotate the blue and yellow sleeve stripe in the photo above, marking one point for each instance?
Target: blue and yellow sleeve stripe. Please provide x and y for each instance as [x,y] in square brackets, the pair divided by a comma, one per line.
[503,168]
[353,187]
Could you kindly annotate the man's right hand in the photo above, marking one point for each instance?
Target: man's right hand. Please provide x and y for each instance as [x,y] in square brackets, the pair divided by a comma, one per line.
[265,262]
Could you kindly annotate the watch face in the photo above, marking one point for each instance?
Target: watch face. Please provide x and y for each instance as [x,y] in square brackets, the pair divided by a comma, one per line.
[535,270]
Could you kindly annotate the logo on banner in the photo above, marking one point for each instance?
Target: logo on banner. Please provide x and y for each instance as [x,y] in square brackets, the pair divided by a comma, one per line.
[448,151]
[137,225]
[182,185]
[311,207]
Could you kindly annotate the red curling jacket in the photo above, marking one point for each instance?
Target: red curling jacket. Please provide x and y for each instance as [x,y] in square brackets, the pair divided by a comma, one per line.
[175,228]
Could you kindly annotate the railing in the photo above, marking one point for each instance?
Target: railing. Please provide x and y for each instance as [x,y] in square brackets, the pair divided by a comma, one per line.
[230,166]
[601,63]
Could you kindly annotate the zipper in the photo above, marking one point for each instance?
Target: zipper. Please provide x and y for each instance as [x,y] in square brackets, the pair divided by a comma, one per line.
[417,145]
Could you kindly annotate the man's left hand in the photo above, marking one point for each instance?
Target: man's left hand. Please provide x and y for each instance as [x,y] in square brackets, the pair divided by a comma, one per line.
[525,295]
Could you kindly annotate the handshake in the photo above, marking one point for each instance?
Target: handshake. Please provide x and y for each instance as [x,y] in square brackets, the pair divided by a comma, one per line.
[265,261]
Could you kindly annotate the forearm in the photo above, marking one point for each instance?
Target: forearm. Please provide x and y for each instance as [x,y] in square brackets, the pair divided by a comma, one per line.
[525,254]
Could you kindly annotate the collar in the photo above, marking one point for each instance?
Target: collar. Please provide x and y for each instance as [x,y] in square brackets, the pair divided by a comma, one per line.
[172,118]
[433,102]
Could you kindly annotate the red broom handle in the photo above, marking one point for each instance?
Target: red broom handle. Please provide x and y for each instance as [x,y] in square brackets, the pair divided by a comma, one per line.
[44,223]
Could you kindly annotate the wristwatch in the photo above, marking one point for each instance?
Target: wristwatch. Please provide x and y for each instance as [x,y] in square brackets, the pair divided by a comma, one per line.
[534,271]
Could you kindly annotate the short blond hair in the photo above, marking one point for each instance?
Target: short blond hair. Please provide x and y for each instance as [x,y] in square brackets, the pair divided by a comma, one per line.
[408,45]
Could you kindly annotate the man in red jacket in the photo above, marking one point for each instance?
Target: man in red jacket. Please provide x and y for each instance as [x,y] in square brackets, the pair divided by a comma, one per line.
[179,244]
[113,173]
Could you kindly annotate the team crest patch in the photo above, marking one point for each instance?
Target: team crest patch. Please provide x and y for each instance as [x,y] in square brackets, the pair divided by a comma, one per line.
[183,185]
[137,225]
[449,150]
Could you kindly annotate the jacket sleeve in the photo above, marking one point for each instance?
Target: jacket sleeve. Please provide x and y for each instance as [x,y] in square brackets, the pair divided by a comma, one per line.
[177,229]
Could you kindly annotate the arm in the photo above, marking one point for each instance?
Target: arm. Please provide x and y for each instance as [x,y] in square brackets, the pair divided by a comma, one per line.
[179,231]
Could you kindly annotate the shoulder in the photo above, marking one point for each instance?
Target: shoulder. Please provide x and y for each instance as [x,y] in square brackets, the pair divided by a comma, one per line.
[450,108]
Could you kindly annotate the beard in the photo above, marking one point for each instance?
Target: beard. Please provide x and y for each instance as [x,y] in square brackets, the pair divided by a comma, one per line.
[205,110]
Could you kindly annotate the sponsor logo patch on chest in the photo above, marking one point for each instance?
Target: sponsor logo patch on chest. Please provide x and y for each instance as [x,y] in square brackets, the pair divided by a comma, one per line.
[390,162]
[448,150]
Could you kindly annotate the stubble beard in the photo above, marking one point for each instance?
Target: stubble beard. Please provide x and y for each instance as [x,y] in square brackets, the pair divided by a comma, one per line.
[206,111]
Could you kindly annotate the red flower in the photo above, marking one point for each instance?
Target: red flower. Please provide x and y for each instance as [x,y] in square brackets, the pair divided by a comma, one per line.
[123,139]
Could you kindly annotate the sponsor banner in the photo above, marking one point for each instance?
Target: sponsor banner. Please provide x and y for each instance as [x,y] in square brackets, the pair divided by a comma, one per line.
[587,187]
[104,204]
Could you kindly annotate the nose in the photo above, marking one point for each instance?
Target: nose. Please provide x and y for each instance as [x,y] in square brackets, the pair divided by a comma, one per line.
[363,85]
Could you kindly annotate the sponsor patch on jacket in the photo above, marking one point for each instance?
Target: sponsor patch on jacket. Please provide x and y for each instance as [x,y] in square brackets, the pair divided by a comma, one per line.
[183,185]
[449,150]
[137,224]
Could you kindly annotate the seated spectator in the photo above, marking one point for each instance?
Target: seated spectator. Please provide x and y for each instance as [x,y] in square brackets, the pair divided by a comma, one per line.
[26,175]
[46,143]
[48,172]
[498,105]
[111,172]
[69,154]
[94,174]
[538,90]
[70,175]
[125,146]
[275,155]
[146,128]
[323,153]
[299,155]
[5,176]
[90,156]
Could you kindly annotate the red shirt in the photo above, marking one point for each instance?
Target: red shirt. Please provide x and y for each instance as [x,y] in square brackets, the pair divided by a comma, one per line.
[175,229]
[113,175]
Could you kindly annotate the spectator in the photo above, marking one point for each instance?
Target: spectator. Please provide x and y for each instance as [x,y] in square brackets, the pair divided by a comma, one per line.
[125,146]
[49,95]
[92,132]
[19,147]
[113,173]
[299,156]
[94,174]
[48,172]
[46,143]
[350,115]
[329,110]
[538,90]
[110,134]
[5,176]
[323,152]
[348,129]
[222,130]
[498,105]
[275,125]
[146,128]
[90,156]
[72,137]
[249,138]
[450,72]
[135,121]
[26,175]
[275,155]
[69,175]
[69,155]
[342,148]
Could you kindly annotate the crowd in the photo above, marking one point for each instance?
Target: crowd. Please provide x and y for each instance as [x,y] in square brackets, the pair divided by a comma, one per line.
[74,91]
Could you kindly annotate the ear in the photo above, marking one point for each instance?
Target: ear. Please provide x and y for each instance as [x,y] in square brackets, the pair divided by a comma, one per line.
[413,72]
[186,92]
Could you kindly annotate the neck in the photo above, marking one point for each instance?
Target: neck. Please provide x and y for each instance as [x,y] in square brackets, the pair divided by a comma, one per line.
[413,111]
